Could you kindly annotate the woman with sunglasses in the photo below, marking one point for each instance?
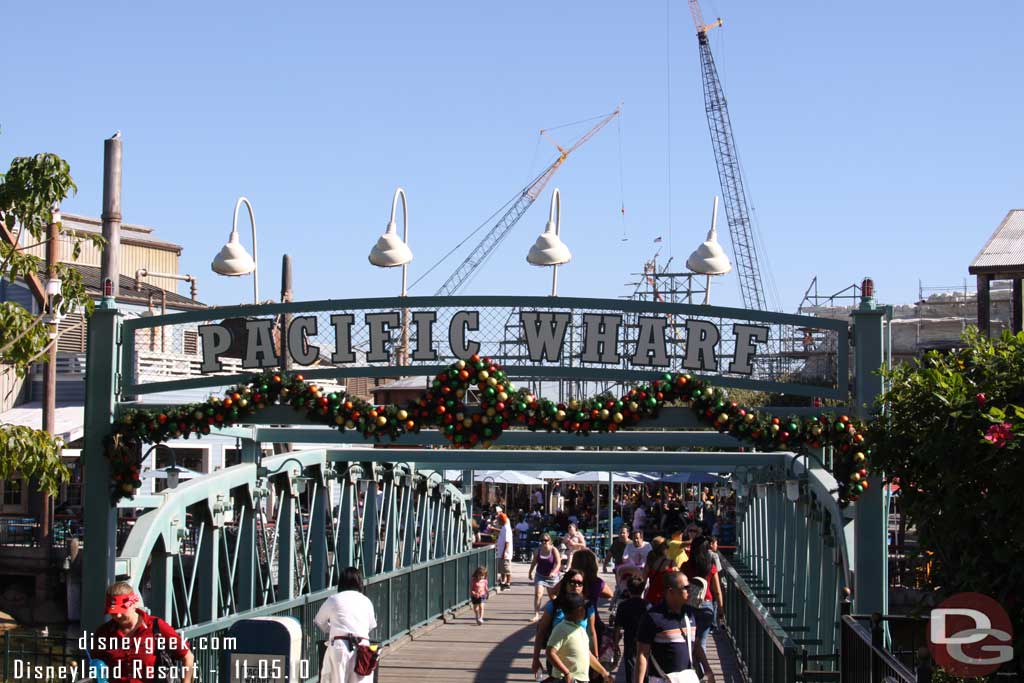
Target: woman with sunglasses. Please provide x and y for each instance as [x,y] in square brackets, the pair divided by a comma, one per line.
[547,562]
[552,614]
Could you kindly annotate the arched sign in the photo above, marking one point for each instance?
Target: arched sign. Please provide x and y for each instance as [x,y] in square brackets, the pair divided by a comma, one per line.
[598,340]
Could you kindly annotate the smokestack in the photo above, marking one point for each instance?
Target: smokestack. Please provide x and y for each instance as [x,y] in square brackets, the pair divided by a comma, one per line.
[111,258]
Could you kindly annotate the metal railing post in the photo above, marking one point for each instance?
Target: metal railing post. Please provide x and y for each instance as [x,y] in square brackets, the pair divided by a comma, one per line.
[100,515]
[871,532]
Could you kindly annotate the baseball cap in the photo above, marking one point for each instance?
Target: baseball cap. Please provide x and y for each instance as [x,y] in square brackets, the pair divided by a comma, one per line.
[498,508]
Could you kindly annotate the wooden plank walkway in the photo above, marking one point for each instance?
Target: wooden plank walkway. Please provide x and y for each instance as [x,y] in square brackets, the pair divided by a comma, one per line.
[502,648]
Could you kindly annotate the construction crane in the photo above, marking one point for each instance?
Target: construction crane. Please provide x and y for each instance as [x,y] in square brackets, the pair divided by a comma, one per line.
[527,196]
[734,196]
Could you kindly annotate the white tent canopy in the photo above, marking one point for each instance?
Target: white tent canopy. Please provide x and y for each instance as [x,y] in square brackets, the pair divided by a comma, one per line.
[506,477]
[548,474]
[693,478]
[602,478]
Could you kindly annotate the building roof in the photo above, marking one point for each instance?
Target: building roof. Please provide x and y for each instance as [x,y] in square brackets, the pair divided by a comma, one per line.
[1004,251]
[91,278]
[420,382]
[130,234]
[68,421]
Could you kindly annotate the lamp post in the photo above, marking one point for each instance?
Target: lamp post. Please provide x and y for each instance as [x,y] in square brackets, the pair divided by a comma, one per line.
[390,252]
[709,258]
[549,250]
[233,260]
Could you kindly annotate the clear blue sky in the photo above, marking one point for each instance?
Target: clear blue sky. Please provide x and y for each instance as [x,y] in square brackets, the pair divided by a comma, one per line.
[877,138]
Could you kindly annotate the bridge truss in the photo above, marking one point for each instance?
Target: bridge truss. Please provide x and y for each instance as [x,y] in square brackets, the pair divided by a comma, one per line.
[269,536]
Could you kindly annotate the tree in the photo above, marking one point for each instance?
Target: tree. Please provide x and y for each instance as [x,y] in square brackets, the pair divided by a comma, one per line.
[30,191]
[951,431]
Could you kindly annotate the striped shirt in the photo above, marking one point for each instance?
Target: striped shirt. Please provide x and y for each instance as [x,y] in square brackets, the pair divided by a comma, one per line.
[664,632]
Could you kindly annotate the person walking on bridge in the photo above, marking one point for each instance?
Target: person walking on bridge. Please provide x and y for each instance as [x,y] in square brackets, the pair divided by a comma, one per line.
[666,639]
[503,549]
[544,572]
[347,618]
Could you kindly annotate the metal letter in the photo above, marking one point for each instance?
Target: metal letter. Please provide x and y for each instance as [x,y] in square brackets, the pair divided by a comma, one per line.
[701,339]
[545,332]
[301,351]
[216,340]
[424,322]
[601,338]
[742,356]
[650,343]
[343,338]
[461,323]
[379,324]
[259,344]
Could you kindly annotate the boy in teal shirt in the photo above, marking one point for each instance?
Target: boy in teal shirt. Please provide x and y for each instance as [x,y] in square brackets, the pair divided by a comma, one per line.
[569,646]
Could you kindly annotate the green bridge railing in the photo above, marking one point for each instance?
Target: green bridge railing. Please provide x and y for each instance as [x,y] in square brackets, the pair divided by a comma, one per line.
[403,600]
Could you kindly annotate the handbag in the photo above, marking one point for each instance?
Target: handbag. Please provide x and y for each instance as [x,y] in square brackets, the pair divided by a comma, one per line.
[367,655]
[687,676]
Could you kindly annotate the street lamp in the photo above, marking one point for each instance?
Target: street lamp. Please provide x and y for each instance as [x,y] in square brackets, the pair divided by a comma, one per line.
[233,260]
[549,250]
[709,258]
[390,252]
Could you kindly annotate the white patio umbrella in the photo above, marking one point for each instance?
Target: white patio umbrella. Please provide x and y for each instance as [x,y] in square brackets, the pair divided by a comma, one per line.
[602,478]
[508,477]
[548,474]
[692,478]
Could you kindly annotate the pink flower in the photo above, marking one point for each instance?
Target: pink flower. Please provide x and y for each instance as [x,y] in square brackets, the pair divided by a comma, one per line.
[980,398]
[999,434]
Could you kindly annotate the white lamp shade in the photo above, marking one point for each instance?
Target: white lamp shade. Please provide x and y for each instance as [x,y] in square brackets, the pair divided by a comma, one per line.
[390,251]
[233,260]
[709,258]
[549,249]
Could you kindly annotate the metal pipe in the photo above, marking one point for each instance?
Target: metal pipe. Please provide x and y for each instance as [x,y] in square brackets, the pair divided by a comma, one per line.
[110,260]
[191,279]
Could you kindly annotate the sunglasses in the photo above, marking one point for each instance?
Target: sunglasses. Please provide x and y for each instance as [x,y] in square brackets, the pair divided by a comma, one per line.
[575,582]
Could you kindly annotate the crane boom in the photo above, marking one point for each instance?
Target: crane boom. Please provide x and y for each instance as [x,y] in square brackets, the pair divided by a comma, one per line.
[504,225]
[734,195]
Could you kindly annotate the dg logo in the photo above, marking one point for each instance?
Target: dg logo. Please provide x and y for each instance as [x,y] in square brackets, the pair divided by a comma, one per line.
[970,634]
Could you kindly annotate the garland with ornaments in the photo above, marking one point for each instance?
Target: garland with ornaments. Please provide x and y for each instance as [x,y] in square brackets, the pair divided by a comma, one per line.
[502,407]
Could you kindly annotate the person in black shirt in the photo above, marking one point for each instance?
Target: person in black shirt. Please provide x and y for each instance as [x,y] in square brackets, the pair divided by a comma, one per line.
[627,621]
[618,547]
[667,637]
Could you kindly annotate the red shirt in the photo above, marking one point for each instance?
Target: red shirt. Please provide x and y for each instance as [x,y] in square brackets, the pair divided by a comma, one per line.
[691,571]
[656,583]
[136,652]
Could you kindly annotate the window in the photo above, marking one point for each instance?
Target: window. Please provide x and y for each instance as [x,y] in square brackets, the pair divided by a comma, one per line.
[12,492]
[190,340]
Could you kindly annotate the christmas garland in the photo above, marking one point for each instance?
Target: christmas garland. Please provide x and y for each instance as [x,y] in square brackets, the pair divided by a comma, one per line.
[502,406]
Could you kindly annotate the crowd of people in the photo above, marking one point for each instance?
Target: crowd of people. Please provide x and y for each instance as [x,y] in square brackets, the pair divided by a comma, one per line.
[665,599]
[653,619]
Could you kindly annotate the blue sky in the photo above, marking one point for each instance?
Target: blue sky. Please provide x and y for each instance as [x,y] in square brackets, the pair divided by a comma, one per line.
[877,138]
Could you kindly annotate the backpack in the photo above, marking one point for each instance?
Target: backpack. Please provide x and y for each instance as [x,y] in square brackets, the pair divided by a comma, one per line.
[698,589]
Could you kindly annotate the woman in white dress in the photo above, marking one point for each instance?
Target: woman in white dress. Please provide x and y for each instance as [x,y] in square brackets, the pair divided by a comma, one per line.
[346,618]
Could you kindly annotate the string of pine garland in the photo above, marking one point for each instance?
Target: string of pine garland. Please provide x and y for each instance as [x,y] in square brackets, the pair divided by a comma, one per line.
[502,406]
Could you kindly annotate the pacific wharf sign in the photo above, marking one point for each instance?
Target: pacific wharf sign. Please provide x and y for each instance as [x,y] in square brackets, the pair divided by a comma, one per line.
[607,339]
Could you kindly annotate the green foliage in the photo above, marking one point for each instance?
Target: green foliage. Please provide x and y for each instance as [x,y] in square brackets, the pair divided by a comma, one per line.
[952,433]
[943,676]
[22,336]
[33,454]
[29,191]
[31,188]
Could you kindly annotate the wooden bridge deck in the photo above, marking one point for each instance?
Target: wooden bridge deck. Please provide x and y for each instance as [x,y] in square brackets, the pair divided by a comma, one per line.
[501,649]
